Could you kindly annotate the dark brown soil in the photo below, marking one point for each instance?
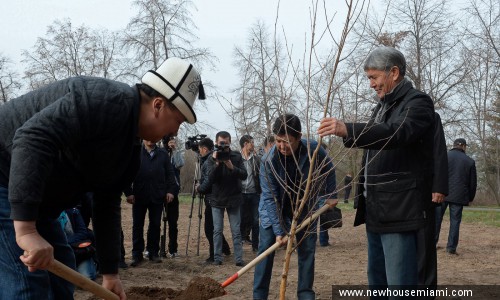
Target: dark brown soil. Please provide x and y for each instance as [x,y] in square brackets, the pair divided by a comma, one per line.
[150,293]
[199,288]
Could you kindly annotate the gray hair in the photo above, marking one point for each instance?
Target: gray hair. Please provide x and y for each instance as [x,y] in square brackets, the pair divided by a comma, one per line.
[384,58]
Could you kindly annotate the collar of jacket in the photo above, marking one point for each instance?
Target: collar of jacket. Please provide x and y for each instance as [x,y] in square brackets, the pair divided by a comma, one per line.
[457,149]
[397,93]
[249,156]
[302,156]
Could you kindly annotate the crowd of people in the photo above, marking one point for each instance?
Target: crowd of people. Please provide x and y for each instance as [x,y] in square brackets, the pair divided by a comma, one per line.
[80,143]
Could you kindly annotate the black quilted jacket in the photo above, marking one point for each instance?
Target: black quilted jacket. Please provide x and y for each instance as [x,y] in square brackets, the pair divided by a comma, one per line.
[462,177]
[70,137]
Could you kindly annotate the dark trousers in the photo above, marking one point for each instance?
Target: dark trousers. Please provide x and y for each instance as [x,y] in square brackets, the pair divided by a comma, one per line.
[209,230]
[426,253]
[172,210]
[455,220]
[347,193]
[249,211]
[122,248]
[139,210]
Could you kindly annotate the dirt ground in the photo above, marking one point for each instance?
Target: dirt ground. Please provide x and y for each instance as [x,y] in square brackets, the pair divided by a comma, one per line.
[342,263]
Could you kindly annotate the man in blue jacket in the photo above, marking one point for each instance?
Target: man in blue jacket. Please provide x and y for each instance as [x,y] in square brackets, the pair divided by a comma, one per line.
[283,178]
[462,181]
[72,136]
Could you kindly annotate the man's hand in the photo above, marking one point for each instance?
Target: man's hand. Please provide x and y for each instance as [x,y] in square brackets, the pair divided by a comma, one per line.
[229,164]
[113,283]
[214,155]
[131,199]
[171,144]
[332,126]
[282,240]
[437,197]
[38,253]
[331,202]
[169,198]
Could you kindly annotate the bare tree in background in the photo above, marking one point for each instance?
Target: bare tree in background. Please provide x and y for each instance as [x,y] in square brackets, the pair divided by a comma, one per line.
[163,29]
[352,100]
[70,51]
[426,32]
[259,95]
[9,81]
[481,91]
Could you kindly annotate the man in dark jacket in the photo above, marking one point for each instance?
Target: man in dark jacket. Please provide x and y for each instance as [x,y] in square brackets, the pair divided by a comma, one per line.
[395,185]
[225,172]
[72,136]
[153,187]
[462,180]
[206,146]
[426,247]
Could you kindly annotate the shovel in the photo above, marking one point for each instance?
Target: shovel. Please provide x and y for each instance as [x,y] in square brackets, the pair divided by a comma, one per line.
[272,248]
[81,281]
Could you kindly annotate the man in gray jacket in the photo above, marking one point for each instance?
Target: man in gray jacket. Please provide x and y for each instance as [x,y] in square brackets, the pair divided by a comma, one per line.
[72,136]
[462,182]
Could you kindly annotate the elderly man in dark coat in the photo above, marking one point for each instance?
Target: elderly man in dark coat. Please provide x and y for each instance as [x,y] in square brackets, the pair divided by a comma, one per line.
[394,189]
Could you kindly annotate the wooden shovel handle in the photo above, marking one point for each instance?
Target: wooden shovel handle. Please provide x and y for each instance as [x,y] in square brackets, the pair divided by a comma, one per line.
[81,281]
[273,248]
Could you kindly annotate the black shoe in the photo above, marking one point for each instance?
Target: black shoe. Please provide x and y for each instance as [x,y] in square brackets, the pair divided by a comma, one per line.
[136,261]
[240,264]
[155,258]
[122,265]
[452,251]
[346,201]
[226,252]
[217,263]
[210,259]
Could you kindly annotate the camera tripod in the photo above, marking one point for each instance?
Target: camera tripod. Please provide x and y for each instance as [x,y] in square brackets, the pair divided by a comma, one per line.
[196,179]
[163,238]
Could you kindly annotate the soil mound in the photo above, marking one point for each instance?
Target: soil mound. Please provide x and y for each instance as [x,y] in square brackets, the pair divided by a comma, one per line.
[199,288]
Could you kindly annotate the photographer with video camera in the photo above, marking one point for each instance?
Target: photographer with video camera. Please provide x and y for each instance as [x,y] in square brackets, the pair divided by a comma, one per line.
[206,147]
[225,171]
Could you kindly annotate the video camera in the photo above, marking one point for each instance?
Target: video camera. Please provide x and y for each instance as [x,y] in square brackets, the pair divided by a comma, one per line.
[222,151]
[193,141]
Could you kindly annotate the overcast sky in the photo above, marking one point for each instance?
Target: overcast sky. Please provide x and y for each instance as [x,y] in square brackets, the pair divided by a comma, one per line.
[222,24]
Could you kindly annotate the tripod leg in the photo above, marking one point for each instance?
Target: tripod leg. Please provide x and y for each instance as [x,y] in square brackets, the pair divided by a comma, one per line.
[200,210]
[163,238]
[189,226]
